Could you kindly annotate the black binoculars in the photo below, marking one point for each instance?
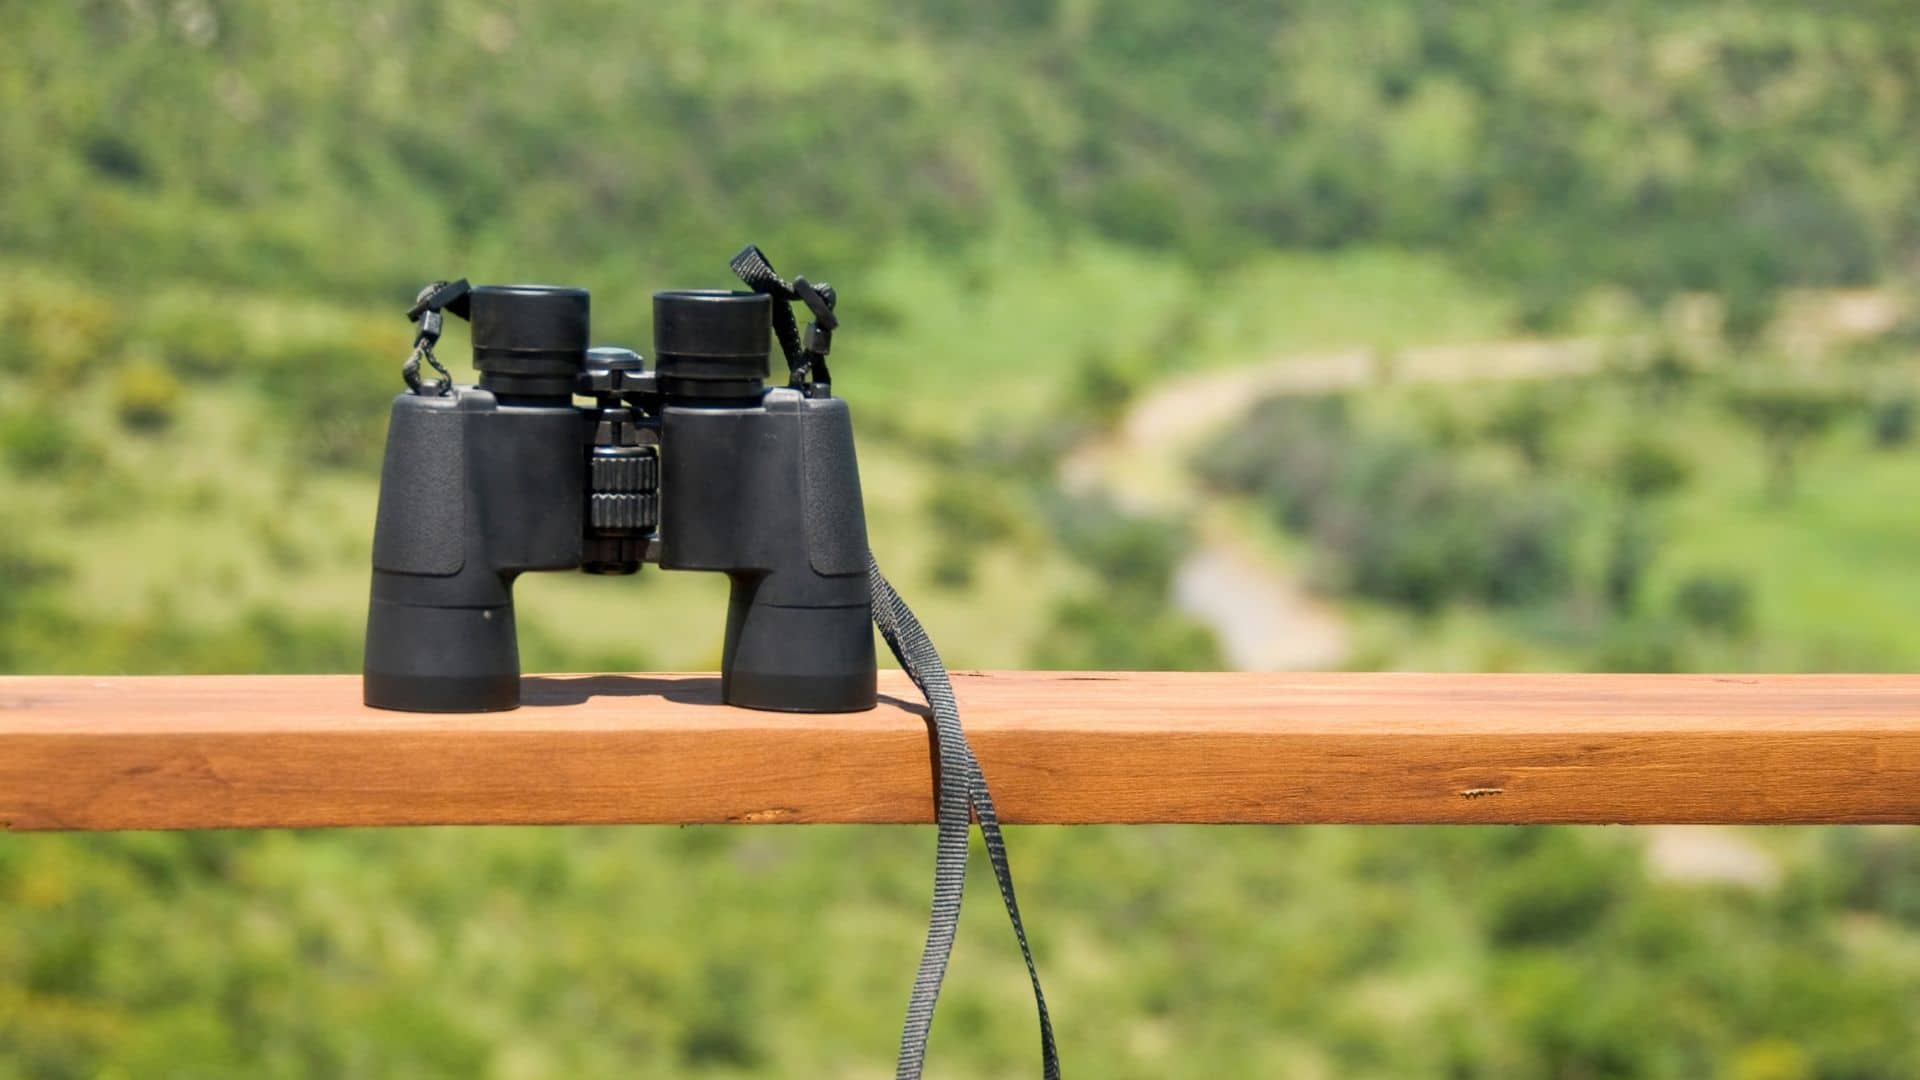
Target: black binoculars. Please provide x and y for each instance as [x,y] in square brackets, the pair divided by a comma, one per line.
[694,465]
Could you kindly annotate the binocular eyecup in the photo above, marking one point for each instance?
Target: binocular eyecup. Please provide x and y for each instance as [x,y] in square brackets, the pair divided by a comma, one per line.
[710,345]
[529,341]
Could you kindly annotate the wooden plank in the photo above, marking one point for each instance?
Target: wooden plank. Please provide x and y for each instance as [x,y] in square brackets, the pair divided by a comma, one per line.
[257,751]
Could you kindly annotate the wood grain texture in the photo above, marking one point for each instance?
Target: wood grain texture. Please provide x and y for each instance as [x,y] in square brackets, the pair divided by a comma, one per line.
[259,751]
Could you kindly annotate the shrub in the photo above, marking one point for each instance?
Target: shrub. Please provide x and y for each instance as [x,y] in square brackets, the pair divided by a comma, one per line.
[1525,422]
[970,508]
[1555,888]
[37,439]
[1647,469]
[1124,622]
[1718,602]
[1878,871]
[199,334]
[1786,415]
[1133,554]
[1101,389]
[336,400]
[1891,421]
[25,601]
[55,329]
[1392,519]
[1641,646]
[1289,452]
[1668,371]
[1630,551]
[146,396]
[1120,631]
[1529,540]
[952,564]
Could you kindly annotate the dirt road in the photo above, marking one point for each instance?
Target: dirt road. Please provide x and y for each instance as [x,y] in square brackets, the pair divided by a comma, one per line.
[1263,616]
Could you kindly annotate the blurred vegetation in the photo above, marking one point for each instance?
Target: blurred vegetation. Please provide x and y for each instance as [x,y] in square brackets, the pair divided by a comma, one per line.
[211,214]
[1739,521]
[1749,145]
[1392,520]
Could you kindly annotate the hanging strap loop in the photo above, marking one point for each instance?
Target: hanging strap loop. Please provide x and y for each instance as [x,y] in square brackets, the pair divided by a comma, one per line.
[806,357]
[427,306]
[962,787]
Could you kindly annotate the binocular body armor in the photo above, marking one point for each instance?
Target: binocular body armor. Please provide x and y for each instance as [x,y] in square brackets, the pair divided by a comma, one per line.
[694,466]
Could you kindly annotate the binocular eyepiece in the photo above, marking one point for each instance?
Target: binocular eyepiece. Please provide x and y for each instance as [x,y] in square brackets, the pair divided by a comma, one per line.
[711,344]
[695,465]
[530,342]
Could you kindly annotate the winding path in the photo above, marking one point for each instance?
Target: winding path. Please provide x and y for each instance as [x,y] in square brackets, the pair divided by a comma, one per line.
[1264,617]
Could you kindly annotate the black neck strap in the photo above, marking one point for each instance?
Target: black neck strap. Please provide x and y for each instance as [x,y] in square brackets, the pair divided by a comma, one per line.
[806,357]
[962,788]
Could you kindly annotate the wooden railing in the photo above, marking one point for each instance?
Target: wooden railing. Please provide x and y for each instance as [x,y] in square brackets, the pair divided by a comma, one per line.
[261,751]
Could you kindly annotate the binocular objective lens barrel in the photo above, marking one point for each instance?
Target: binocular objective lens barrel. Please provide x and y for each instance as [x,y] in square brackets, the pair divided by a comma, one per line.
[711,346]
[529,341]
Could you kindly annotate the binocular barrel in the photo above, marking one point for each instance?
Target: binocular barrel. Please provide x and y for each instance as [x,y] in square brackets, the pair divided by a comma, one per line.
[486,483]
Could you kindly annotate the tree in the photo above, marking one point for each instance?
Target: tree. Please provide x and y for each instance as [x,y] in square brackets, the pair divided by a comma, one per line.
[1525,422]
[1718,602]
[1786,415]
[1630,551]
[1647,469]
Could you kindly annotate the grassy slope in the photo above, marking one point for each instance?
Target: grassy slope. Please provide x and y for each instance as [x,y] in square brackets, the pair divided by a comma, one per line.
[1831,569]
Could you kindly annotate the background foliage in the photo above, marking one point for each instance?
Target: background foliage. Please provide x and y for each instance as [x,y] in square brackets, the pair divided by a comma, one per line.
[212,213]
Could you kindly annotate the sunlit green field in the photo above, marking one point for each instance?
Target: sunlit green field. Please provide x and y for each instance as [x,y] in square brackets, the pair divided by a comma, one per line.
[1830,568]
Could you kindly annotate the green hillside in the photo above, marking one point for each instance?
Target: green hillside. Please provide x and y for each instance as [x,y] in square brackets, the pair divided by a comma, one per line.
[1658,145]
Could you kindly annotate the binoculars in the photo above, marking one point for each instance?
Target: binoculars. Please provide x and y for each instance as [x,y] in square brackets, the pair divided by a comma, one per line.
[694,465]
